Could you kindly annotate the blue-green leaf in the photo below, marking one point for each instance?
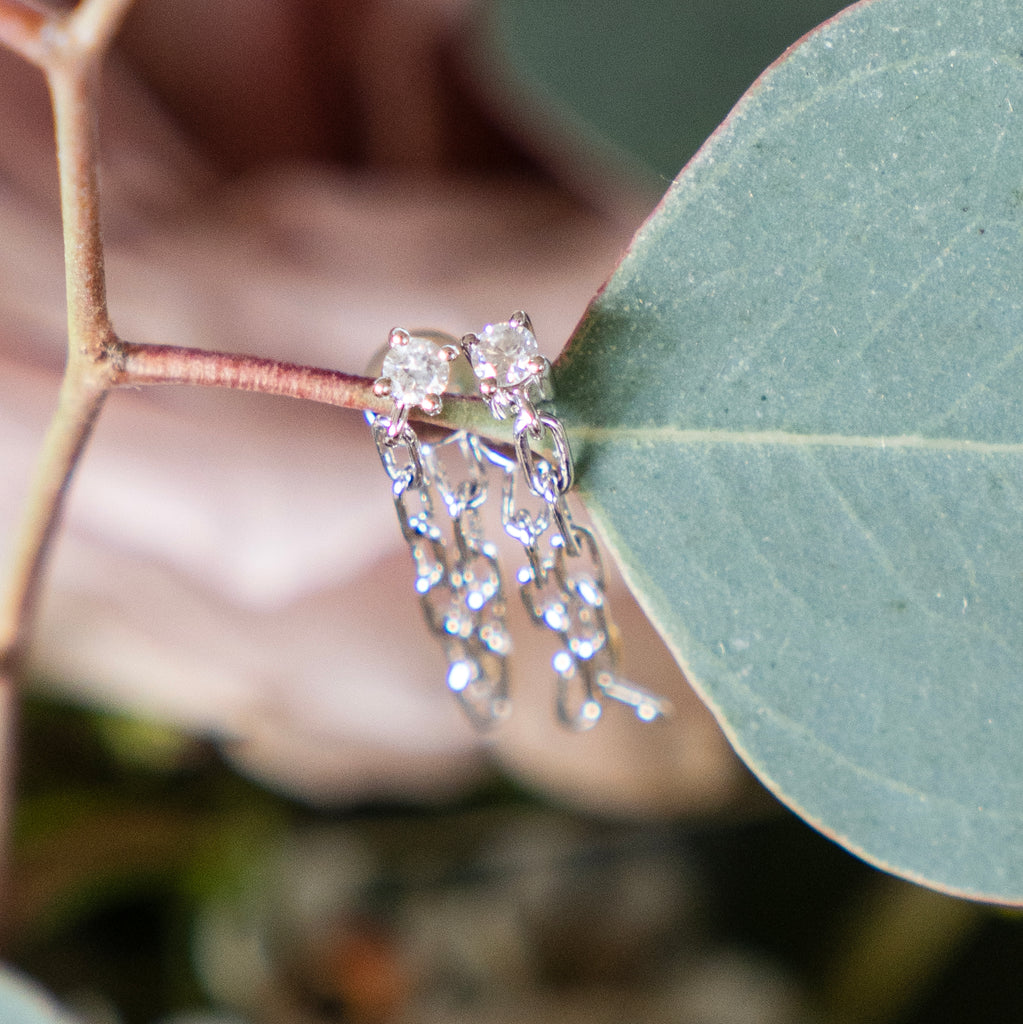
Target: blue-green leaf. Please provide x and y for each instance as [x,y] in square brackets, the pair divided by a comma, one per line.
[798,413]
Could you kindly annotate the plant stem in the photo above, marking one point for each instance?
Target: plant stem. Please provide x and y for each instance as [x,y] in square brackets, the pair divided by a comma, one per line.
[92,24]
[21,29]
[89,331]
[90,337]
[171,364]
[69,49]
[69,430]
[78,407]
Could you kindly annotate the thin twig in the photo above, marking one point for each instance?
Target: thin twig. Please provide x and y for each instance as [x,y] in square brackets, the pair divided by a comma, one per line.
[173,364]
[90,337]
[135,365]
[87,374]
[77,411]
[21,30]
[93,24]
[69,430]
[89,330]
[69,50]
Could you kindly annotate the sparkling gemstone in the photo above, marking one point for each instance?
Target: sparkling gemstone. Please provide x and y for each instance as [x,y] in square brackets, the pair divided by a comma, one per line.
[461,674]
[555,615]
[563,664]
[496,637]
[588,590]
[415,370]
[459,621]
[503,352]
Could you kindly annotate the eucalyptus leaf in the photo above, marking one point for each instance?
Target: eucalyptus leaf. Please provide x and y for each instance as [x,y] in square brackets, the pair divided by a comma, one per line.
[796,409]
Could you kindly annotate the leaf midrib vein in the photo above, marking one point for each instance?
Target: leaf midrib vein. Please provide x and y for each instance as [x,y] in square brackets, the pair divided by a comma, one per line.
[682,436]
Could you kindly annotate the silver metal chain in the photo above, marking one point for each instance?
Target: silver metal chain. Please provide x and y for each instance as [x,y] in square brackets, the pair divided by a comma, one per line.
[563,584]
[457,571]
[461,592]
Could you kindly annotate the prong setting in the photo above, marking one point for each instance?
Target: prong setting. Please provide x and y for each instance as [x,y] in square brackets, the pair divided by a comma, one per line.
[521,319]
[397,422]
[505,353]
[415,373]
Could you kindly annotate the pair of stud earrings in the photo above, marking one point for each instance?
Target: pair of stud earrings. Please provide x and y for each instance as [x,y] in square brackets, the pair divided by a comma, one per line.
[458,575]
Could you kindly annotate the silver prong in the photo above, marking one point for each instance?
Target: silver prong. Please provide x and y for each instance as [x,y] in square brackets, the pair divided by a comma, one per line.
[537,366]
[382,387]
[521,319]
[398,337]
[448,353]
[488,387]
[431,404]
[544,390]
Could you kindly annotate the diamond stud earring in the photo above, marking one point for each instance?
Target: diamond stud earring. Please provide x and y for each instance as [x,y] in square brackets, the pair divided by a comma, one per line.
[460,589]
[415,373]
[562,583]
[506,359]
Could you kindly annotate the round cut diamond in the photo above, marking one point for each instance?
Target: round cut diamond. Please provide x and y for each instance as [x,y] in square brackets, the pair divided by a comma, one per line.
[415,370]
[504,352]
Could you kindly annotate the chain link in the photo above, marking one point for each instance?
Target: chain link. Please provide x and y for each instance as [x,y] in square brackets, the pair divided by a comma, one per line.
[562,584]
[461,591]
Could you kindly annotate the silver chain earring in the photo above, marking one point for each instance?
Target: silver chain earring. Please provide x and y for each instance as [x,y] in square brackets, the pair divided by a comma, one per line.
[460,590]
[562,583]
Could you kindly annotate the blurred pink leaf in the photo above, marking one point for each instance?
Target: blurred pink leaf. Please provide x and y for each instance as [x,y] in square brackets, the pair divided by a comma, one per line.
[292,181]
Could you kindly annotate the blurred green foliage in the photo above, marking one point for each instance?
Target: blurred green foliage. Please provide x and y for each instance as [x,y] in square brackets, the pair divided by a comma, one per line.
[653,78]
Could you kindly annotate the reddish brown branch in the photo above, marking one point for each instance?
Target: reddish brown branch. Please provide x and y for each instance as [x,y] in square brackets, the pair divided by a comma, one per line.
[171,364]
[76,414]
[134,365]
[21,29]
[77,159]
[69,49]
[92,24]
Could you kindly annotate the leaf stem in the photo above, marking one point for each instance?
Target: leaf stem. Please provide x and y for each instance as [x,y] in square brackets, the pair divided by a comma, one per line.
[174,364]
[134,365]
[69,49]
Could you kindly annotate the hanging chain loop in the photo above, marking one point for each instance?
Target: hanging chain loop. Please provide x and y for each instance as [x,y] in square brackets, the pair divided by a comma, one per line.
[460,590]
[562,584]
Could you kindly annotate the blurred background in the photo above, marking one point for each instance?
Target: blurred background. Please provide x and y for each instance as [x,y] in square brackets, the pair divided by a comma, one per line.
[244,795]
